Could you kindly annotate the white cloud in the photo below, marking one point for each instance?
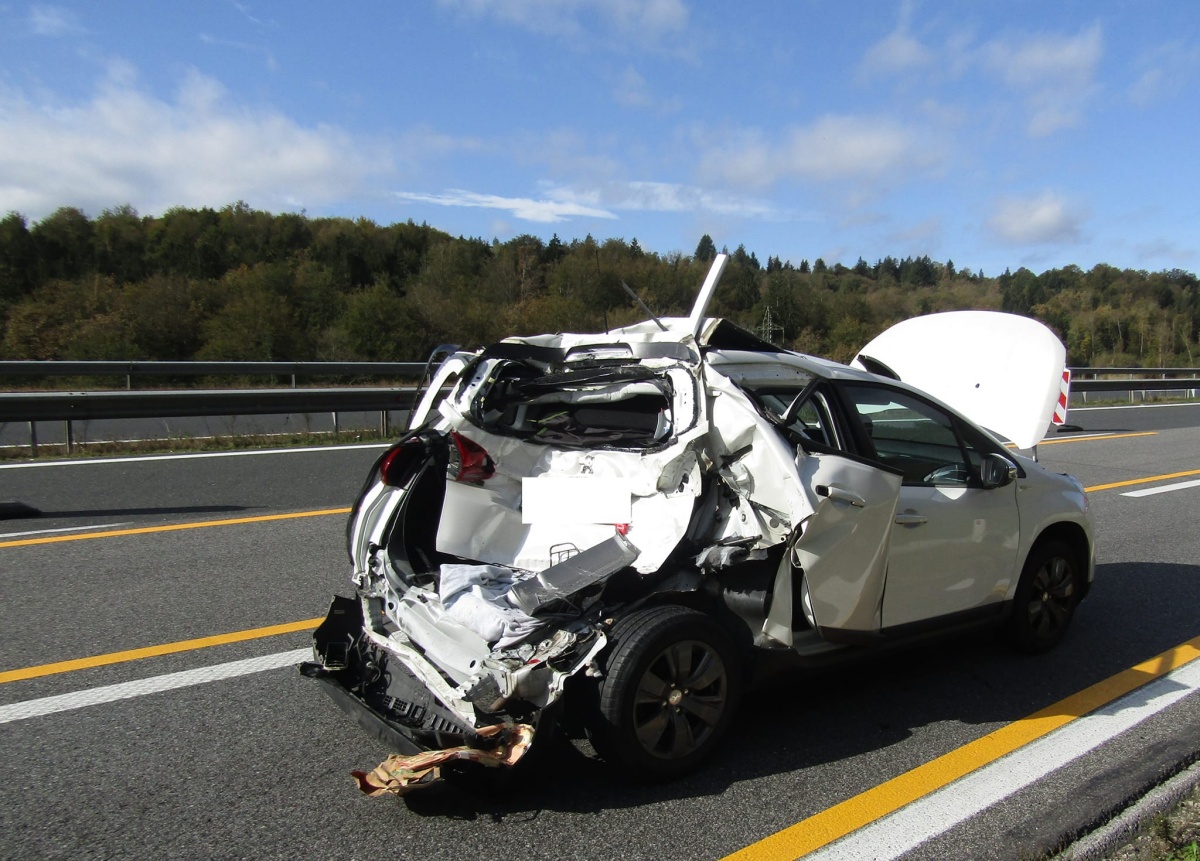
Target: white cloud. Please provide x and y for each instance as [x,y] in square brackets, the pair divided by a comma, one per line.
[525,208]
[1165,71]
[198,149]
[896,52]
[644,196]
[1164,252]
[645,20]
[558,203]
[632,91]
[925,235]
[830,149]
[1041,220]
[267,54]
[1056,75]
[52,21]
[647,16]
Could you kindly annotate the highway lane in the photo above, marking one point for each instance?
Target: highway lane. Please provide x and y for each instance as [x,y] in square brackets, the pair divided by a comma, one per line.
[1127,417]
[256,766]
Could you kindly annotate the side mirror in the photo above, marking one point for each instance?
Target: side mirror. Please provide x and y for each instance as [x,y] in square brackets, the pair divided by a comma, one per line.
[996,471]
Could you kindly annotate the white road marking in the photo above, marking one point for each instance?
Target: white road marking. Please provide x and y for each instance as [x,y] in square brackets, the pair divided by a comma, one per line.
[1166,488]
[155,684]
[190,456]
[1133,407]
[64,529]
[938,812]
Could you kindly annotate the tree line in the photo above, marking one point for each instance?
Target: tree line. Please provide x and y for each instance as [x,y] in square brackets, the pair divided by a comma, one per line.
[241,284]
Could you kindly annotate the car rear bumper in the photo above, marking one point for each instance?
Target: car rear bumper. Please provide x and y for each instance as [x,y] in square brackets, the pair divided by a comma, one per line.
[383,695]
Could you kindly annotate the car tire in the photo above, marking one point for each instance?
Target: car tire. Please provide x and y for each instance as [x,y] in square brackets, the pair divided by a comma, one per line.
[670,689]
[1046,597]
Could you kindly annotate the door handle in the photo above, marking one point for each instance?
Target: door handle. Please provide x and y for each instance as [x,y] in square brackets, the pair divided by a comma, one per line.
[910,518]
[840,494]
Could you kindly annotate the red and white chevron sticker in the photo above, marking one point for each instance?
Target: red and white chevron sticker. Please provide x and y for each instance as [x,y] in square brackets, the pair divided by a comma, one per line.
[1064,393]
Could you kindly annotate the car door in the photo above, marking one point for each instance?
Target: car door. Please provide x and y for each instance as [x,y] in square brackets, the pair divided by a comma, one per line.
[954,545]
[836,564]
[844,548]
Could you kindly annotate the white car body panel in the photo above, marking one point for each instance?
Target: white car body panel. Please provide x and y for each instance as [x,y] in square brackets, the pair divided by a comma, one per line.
[693,469]
[976,530]
[844,548]
[1002,371]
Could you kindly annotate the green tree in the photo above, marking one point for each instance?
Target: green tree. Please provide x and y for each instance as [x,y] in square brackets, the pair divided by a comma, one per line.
[64,243]
[706,249]
[120,244]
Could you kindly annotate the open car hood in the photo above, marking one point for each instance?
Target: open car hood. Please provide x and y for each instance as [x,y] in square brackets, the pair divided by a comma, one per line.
[1002,371]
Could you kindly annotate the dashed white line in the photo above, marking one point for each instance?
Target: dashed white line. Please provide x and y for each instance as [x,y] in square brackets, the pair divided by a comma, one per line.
[190,456]
[64,529]
[155,684]
[1166,488]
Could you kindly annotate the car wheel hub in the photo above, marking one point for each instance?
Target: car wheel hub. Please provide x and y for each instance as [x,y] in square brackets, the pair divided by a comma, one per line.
[680,701]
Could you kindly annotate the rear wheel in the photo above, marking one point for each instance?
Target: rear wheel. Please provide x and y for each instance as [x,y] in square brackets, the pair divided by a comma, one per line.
[1046,597]
[669,692]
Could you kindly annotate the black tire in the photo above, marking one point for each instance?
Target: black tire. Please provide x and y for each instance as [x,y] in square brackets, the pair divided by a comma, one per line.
[670,689]
[1047,594]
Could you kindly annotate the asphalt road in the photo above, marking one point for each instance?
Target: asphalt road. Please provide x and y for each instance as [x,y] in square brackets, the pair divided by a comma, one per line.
[256,766]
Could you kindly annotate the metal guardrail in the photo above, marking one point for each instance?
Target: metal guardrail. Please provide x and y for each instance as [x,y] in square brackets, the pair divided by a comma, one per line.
[69,407]
[1132,380]
[132,369]
[84,406]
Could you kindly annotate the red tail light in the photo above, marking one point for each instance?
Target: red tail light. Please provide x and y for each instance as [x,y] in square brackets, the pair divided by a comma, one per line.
[395,463]
[469,461]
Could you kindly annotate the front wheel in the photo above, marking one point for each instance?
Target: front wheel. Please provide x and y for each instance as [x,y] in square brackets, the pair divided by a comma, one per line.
[670,690]
[1046,597]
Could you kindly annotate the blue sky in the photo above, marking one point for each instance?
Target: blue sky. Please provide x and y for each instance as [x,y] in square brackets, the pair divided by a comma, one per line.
[995,135]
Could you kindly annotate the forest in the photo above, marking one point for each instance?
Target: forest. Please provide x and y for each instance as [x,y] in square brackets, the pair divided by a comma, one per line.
[239,284]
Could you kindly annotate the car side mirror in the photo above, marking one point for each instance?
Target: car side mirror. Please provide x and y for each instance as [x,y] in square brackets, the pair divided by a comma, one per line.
[996,471]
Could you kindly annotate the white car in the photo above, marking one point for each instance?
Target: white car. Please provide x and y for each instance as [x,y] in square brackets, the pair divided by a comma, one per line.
[608,529]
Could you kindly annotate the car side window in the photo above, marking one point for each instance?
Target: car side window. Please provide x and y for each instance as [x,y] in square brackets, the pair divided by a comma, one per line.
[915,437]
[803,417]
[811,421]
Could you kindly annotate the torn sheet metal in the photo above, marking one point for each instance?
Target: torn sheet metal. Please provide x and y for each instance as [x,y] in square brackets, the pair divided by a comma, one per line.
[400,775]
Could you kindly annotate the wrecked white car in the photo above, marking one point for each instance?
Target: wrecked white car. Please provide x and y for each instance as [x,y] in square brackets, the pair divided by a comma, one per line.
[611,528]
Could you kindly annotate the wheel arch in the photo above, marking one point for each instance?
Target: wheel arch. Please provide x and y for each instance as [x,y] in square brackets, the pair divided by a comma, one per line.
[1074,536]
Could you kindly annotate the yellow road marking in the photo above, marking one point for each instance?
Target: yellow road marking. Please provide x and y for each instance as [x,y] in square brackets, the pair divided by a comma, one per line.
[1097,437]
[172,527]
[1132,481]
[875,803]
[156,651]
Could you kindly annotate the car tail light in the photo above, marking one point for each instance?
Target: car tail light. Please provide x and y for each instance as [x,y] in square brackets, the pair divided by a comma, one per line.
[469,461]
[394,466]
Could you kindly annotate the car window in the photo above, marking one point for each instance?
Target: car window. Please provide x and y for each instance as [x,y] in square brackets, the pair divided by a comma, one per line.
[803,421]
[913,436]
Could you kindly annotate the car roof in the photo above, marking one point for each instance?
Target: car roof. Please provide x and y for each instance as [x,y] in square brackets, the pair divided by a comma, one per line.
[814,365]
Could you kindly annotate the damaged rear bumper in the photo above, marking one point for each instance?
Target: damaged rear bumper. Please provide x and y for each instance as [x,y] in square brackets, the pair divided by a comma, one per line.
[378,690]
[376,725]
[387,699]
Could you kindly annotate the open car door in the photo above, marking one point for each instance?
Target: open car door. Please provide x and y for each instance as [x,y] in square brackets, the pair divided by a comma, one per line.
[837,566]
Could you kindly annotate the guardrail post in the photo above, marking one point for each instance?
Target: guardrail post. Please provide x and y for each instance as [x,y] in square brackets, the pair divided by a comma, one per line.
[33,439]
[70,436]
